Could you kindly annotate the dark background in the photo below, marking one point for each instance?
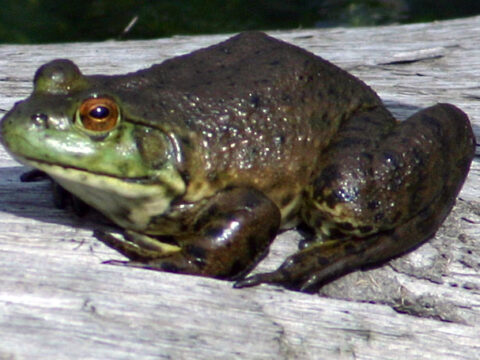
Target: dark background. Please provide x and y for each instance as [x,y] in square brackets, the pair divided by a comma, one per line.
[41,21]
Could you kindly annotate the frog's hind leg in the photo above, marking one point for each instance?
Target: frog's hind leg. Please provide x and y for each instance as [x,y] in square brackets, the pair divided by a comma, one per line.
[322,262]
[418,169]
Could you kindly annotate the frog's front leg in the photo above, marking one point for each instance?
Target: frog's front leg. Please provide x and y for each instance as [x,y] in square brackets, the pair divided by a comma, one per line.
[379,197]
[227,237]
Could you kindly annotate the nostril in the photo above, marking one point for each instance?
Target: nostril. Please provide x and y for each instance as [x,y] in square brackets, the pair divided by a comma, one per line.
[40,119]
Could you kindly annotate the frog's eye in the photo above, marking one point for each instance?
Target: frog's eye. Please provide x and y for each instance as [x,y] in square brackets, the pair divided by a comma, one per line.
[98,114]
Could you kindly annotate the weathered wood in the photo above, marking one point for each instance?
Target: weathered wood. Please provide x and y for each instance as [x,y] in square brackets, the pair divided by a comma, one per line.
[58,301]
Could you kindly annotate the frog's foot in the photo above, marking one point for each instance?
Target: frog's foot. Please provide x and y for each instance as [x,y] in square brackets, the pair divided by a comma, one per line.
[135,246]
[316,265]
[142,250]
[229,236]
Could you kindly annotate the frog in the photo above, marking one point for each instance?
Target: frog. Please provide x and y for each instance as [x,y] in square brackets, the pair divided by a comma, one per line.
[200,161]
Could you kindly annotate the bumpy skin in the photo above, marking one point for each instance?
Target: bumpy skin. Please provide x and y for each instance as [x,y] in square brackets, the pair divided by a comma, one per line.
[215,151]
[379,197]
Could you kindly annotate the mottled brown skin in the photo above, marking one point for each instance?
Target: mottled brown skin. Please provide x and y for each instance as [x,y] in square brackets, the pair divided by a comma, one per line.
[395,168]
[266,136]
[226,106]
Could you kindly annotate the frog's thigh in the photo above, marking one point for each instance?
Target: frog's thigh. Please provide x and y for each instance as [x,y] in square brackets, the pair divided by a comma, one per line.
[376,183]
[431,154]
[228,237]
[322,262]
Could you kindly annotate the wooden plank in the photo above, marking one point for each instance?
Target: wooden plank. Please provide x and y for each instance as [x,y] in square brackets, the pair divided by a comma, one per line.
[58,301]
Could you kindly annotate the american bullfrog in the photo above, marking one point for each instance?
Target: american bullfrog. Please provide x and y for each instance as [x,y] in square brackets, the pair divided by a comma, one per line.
[203,159]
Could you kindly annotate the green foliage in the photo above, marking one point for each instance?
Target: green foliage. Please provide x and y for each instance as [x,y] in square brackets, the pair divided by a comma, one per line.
[39,21]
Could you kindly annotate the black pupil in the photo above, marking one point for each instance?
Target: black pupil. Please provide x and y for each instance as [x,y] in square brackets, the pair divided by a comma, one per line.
[100,112]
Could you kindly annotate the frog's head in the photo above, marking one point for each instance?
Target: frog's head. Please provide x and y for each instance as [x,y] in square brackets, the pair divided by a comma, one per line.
[77,129]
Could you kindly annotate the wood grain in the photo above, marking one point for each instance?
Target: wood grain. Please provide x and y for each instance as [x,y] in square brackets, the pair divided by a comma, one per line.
[58,301]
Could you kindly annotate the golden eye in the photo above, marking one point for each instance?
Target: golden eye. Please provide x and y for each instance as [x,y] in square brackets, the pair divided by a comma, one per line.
[99,114]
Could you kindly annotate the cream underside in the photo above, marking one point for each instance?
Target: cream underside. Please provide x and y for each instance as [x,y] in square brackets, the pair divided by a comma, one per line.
[129,205]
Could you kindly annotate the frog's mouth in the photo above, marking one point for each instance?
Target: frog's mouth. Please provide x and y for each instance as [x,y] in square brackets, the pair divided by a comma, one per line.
[125,187]
[55,169]
[100,179]
[129,202]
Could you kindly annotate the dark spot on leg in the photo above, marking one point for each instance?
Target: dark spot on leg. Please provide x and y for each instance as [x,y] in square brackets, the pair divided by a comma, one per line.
[169,267]
[169,239]
[213,232]
[255,100]
[331,201]
[367,156]
[322,261]
[307,216]
[326,179]
[212,211]
[372,205]
[345,226]
[365,229]
[183,227]
[199,224]
[337,234]
[379,216]
[197,252]
[397,217]
[318,221]
[305,230]
[186,141]
[349,249]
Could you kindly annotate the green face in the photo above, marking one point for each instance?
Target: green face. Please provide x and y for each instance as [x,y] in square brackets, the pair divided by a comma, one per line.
[75,129]
[63,123]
